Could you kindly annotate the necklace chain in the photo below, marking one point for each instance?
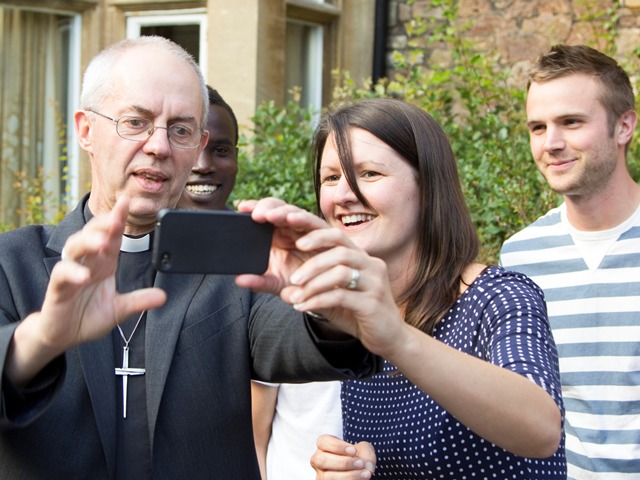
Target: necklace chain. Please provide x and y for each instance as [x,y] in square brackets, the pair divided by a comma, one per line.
[124,339]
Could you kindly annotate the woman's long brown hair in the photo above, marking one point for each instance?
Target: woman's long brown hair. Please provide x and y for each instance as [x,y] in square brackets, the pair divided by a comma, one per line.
[447,240]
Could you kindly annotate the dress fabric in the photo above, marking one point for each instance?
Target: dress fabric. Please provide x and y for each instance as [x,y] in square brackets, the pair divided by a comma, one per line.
[501,318]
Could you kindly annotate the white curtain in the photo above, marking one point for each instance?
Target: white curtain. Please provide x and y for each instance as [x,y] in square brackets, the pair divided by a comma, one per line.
[32,115]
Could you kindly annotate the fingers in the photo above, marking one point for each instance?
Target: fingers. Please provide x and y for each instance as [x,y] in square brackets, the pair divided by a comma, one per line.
[281,214]
[259,283]
[68,273]
[81,302]
[332,248]
[138,301]
[98,243]
[333,277]
[330,286]
[246,206]
[337,459]
[323,239]
[285,257]
[326,278]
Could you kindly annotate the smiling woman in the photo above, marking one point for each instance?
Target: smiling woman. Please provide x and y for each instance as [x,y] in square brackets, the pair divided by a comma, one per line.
[386,180]
[386,226]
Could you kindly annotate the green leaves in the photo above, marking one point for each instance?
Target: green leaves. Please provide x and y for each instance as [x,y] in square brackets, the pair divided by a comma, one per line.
[273,159]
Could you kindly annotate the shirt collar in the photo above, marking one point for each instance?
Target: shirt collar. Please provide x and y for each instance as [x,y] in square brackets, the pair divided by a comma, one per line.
[135,244]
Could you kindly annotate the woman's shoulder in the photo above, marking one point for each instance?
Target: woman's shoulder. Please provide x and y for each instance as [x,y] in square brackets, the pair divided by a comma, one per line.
[496,277]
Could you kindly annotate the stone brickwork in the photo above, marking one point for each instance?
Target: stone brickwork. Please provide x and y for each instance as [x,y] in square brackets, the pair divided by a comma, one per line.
[514,32]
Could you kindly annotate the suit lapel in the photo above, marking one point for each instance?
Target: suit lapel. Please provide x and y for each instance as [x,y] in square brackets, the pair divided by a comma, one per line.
[98,376]
[162,331]
[96,373]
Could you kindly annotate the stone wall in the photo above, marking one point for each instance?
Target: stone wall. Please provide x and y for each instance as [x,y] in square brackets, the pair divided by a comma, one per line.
[514,32]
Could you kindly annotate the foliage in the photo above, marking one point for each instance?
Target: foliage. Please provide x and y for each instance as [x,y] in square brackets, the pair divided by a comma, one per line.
[39,205]
[37,200]
[481,113]
[273,157]
[470,94]
[483,116]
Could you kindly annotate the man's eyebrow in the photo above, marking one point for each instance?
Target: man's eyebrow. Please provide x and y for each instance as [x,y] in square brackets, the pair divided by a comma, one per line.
[142,110]
[559,118]
[182,118]
[220,140]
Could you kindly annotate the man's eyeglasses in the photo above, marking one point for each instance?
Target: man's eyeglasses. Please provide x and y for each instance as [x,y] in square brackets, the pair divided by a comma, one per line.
[138,129]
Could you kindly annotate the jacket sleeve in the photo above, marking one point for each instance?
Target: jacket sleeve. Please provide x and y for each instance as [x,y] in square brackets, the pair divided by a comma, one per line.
[19,406]
[288,347]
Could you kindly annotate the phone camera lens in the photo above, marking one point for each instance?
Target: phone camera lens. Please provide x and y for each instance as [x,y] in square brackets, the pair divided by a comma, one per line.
[165,261]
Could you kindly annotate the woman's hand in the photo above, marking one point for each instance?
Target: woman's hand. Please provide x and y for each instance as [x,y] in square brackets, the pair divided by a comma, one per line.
[290,224]
[318,269]
[347,286]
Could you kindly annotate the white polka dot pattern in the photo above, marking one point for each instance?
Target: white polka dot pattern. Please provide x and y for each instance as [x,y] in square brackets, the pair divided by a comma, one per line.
[502,319]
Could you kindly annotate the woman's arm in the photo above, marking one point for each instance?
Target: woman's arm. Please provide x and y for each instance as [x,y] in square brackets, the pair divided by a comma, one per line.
[502,406]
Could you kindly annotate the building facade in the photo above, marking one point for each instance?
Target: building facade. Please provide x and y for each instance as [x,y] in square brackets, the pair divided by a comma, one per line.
[251,51]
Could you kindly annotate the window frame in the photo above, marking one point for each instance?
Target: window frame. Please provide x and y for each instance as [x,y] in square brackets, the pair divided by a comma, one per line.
[136,20]
[326,16]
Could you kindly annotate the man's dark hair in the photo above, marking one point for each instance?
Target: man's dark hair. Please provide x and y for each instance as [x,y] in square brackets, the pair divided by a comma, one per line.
[216,99]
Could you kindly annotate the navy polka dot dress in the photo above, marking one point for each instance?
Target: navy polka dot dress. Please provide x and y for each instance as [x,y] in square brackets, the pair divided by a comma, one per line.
[501,318]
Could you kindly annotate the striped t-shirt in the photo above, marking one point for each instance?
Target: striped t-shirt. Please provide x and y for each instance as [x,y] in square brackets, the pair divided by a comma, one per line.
[591,282]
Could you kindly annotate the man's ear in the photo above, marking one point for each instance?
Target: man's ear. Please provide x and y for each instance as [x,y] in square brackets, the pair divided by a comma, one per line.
[83,125]
[627,122]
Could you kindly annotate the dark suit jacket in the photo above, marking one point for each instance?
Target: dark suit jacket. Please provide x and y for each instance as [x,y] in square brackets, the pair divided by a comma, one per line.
[202,349]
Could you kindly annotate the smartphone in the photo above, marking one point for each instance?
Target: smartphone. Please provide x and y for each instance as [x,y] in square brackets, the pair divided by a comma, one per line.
[210,241]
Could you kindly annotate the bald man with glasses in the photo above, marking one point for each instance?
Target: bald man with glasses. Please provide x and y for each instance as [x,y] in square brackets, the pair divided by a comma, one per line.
[111,370]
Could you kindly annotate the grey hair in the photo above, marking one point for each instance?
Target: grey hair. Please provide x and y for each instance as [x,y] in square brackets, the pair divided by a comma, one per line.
[96,89]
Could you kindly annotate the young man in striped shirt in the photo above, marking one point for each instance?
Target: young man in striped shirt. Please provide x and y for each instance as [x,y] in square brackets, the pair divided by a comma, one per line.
[585,254]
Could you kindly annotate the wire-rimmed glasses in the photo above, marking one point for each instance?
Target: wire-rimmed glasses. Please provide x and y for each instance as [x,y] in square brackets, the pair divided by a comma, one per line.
[138,129]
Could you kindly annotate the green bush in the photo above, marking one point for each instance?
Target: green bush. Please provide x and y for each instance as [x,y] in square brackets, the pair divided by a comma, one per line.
[40,206]
[37,205]
[273,159]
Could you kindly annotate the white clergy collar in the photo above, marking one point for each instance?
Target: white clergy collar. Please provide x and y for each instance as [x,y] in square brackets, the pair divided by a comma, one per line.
[135,245]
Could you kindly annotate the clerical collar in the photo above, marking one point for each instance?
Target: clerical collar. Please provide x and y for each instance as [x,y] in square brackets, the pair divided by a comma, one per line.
[129,244]
[135,245]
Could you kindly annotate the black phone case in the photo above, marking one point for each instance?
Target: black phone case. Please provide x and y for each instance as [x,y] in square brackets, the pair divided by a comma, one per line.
[208,241]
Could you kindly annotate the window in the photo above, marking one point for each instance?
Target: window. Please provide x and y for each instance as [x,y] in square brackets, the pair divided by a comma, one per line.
[187,28]
[39,51]
[304,62]
[309,49]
